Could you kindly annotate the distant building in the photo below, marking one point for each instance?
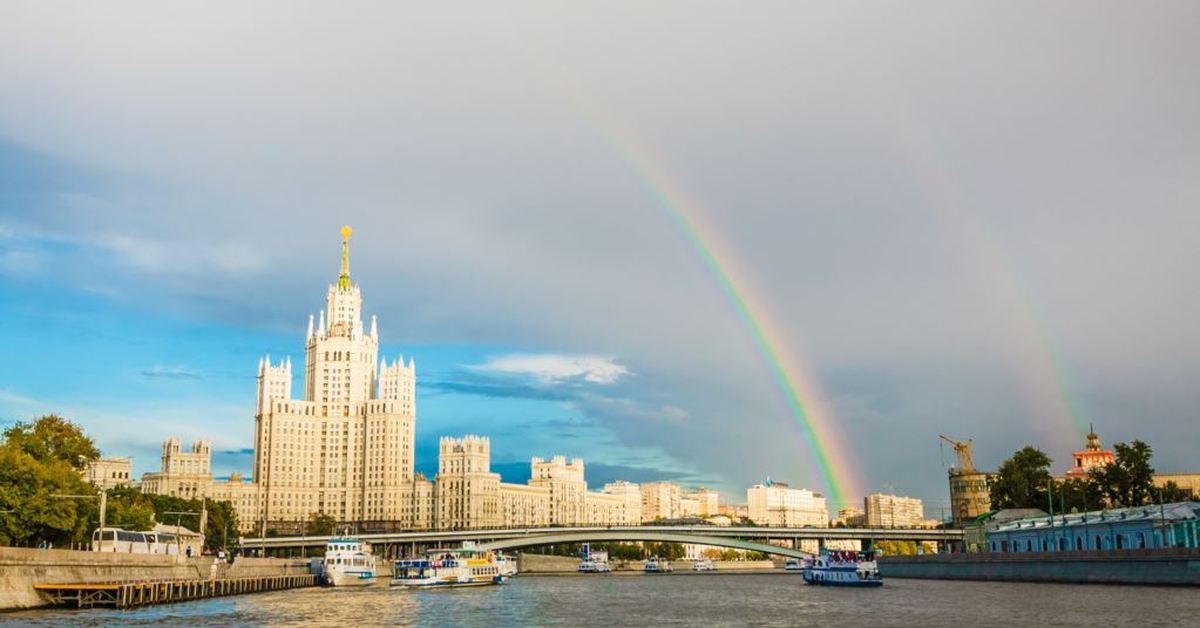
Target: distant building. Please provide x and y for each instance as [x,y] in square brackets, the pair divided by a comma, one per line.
[631,500]
[468,493]
[707,501]
[109,472]
[893,511]
[183,473]
[661,500]
[851,517]
[567,487]
[1151,526]
[1186,481]
[777,504]
[1092,456]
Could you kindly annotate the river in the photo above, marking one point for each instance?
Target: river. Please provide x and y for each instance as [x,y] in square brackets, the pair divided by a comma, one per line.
[670,600]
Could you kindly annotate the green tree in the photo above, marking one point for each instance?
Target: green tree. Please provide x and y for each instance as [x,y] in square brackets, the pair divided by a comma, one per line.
[1129,480]
[1079,495]
[1172,492]
[1022,480]
[53,438]
[320,524]
[27,492]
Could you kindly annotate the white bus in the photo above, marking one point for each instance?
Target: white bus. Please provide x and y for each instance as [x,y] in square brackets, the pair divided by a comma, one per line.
[152,542]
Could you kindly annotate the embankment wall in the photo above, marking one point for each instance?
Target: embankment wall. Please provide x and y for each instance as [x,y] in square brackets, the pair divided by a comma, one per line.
[1158,566]
[21,568]
[539,563]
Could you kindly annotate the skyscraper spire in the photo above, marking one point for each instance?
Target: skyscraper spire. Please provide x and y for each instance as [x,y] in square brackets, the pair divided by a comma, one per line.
[310,328]
[344,278]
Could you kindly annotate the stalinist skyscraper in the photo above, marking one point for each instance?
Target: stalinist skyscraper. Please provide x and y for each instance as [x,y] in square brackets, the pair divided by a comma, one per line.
[346,448]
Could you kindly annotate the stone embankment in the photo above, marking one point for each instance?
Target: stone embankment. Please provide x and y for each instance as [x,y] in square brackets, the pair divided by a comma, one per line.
[1150,566]
[534,564]
[22,568]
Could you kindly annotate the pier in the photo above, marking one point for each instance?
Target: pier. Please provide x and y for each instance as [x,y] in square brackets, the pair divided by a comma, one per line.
[131,594]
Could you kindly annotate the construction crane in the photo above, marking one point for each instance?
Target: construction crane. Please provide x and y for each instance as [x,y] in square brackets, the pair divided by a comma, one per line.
[963,451]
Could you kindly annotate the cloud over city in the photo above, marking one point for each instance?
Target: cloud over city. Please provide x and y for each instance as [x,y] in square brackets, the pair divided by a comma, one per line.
[946,243]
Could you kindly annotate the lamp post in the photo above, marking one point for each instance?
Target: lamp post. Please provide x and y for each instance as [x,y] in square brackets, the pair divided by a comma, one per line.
[178,516]
[103,496]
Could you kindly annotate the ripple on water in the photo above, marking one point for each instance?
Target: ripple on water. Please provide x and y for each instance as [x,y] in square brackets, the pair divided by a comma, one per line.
[668,600]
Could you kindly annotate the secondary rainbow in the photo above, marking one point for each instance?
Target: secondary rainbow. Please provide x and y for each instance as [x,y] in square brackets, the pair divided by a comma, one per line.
[799,389]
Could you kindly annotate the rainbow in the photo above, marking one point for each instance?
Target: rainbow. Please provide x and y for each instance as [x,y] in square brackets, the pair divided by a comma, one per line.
[799,387]
[1034,358]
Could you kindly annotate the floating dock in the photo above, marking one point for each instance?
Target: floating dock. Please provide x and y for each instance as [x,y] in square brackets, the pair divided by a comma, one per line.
[132,594]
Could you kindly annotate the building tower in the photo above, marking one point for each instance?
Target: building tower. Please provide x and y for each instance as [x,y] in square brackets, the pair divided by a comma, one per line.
[346,448]
[467,492]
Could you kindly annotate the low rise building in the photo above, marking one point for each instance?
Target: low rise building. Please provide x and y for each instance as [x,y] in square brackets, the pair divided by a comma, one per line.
[109,472]
[1140,527]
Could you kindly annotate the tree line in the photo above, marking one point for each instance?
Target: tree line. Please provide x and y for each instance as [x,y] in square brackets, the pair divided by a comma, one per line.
[45,499]
[1024,481]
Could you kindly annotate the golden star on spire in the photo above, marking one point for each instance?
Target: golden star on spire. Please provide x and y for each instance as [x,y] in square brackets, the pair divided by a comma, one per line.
[346,231]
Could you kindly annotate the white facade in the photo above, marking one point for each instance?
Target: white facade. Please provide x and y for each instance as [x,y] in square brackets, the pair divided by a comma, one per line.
[777,504]
[109,472]
[661,500]
[893,511]
[346,447]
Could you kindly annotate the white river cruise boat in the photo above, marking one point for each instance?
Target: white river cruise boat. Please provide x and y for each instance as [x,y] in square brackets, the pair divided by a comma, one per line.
[507,565]
[655,564]
[447,568]
[843,569]
[348,563]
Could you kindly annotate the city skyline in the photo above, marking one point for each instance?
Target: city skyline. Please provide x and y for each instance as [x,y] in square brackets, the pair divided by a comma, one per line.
[1009,277]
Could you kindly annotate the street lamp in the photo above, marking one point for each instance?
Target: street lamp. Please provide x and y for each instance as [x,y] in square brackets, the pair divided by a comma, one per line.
[178,516]
[103,496]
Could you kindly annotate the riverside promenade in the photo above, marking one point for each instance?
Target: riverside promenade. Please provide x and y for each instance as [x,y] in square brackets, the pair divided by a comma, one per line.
[162,578]
[1169,566]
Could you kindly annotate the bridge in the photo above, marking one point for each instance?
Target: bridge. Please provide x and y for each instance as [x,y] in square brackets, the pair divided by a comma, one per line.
[395,544]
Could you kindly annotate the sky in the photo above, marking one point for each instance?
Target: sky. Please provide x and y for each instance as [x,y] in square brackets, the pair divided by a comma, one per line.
[627,232]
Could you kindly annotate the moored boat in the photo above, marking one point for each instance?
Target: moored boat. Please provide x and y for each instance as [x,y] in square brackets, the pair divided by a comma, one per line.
[793,565]
[704,564]
[447,568]
[348,563]
[655,564]
[843,569]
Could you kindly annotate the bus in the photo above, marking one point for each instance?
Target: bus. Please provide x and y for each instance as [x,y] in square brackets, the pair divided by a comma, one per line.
[173,540]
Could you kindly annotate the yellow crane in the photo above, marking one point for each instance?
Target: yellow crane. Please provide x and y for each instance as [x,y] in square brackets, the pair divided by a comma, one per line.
[963,451]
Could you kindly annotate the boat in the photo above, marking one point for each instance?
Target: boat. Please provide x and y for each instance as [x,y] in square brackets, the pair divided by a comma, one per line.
[592,564]
[507,564]
[704,565]
[793,565]
[442,568]
[655,564]
[348,563]
[843,569]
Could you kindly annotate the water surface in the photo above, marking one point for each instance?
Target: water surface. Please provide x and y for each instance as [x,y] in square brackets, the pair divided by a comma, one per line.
[671,600]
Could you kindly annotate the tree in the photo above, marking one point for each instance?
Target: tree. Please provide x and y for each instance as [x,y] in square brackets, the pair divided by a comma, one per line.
[1172,492]
[1079,495]
[27,489]
[320,524]
[1129,480]
[1022,480]
[53,438]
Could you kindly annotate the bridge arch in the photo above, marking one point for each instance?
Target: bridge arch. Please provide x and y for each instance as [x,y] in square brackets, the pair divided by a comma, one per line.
[647,534]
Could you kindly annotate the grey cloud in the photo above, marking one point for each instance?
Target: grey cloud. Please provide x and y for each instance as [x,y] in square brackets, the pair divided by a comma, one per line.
[927,210]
